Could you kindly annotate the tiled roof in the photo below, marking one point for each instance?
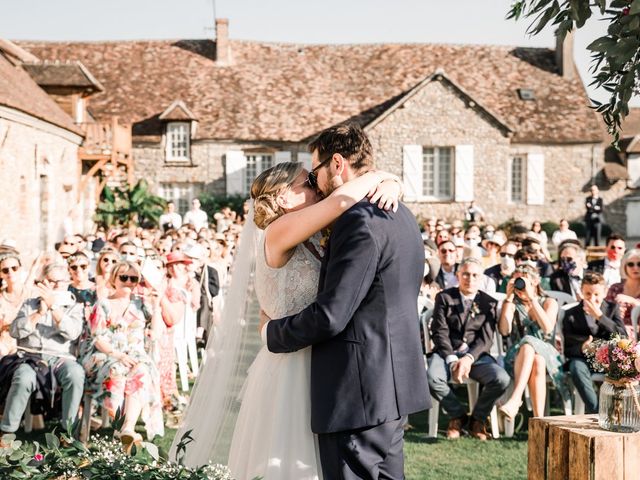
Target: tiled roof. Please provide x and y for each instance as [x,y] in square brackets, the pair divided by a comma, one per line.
[177,111]
[19,91]
[290,92]
[67,74]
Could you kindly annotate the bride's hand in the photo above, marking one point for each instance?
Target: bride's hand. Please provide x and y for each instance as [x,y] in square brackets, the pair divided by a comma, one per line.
[263,320]
[387,193]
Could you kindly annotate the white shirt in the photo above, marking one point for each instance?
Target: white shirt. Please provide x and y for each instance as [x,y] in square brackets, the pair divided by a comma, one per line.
[197,218]
[611,272]
[173,218]
[559,236]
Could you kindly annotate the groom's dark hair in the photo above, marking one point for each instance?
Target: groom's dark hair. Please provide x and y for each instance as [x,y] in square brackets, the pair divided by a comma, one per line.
[347,139]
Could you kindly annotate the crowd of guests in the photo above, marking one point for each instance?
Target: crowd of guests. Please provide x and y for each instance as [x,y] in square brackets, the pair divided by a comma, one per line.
[490,302]
[116,313]
[113,314]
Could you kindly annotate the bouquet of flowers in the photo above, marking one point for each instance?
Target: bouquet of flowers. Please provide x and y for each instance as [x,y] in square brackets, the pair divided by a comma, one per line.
[619,359]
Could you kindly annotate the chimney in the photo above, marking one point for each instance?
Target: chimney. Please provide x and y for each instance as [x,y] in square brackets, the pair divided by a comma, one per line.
[223,50]
[564,55]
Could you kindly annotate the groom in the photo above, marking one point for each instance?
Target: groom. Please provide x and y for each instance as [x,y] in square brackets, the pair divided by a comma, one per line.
[367,370]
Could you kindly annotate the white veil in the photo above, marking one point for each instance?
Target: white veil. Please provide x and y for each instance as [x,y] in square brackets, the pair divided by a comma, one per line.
[214,405]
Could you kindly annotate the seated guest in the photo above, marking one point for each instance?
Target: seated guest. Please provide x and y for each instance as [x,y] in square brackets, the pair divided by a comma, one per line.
[45,329]
[571,262]
[505,268]
[492,246]
[609,266]
[627,293]
[462,330]
[594,318]
[118,366]
[448,255]
[563,233]
[541,235]
[487,284]
[529,317]
[545,270]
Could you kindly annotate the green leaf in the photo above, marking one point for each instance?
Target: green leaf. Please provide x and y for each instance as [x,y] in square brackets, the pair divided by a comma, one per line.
[52,440]
[8,438]
[602,44]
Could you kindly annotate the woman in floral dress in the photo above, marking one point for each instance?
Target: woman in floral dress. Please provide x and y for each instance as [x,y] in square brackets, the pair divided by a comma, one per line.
[118,367]
[529,316]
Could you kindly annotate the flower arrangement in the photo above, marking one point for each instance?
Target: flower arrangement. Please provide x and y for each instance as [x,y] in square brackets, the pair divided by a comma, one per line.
[618,358]
[66,458]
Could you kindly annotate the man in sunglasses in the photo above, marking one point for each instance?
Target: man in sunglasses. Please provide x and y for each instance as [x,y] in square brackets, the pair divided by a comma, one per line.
[571,264]
[609,266]
[45,328]
[448,256]
[367,369]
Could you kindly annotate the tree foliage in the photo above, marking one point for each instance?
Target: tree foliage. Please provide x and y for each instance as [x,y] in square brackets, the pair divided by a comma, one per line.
[129,205]
[615,56]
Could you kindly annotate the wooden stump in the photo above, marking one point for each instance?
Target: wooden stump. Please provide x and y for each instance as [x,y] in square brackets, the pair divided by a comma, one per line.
[575,448]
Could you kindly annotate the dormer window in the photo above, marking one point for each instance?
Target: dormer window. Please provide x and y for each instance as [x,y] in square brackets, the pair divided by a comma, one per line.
[526,94]
[178,136]
[180,127]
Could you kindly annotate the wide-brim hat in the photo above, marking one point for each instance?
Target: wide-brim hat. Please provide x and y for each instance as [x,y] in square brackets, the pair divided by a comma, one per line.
[177,257]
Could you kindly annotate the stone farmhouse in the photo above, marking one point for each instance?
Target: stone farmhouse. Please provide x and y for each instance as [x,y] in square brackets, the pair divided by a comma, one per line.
[49,148]
[508,127]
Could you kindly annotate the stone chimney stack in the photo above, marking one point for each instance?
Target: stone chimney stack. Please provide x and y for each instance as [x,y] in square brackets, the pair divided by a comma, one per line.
[223,50]
[564,56]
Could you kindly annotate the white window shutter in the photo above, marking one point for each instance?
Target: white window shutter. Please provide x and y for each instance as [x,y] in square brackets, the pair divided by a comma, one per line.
[282,157]
[412,172]
[236,169]
[535,179]
[464,173]
[305,159]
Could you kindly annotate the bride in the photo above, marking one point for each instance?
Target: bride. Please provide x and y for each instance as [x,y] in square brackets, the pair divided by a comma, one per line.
[271,436]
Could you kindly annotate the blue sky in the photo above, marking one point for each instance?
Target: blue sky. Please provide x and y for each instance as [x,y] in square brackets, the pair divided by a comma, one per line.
[299,21]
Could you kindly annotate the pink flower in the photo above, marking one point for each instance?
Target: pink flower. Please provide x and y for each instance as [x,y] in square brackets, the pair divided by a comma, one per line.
[602,355]
[38,457]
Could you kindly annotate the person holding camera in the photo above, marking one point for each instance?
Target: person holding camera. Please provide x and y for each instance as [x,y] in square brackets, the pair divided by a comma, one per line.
[528,316]
[45,329]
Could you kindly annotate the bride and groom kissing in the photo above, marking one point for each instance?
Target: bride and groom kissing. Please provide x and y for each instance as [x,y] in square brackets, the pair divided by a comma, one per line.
[329,394]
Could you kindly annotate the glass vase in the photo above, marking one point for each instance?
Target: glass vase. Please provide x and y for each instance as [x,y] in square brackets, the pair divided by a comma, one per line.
[619,406]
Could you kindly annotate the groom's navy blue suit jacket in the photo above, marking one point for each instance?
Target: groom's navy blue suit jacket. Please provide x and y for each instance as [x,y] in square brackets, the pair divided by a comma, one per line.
[367,366]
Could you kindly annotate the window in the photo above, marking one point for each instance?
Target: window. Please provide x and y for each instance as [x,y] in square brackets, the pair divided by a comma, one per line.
[256,164]
[517,177]
[437,172]
[178,134]
[180,194]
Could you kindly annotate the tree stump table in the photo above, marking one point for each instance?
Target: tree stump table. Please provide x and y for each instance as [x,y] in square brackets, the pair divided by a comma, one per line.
[575,448]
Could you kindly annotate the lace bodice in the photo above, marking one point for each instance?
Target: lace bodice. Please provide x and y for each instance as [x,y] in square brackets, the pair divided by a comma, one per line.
[289,289]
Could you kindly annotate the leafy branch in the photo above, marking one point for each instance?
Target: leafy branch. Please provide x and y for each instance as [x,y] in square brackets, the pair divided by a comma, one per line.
[615,59]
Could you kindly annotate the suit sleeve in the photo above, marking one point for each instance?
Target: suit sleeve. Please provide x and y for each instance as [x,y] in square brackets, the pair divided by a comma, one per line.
[573,340]
[214,281]
[611,322]
[484,339]
[349,274]
[440,328]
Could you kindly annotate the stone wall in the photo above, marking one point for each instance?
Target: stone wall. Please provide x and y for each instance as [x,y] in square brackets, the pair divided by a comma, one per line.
[39,183]
[439,116]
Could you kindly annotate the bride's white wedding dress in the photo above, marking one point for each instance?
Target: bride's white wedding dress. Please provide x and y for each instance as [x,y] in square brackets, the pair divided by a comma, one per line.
[272,438]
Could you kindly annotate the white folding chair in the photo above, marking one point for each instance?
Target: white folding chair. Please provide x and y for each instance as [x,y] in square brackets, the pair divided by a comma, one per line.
[561,297]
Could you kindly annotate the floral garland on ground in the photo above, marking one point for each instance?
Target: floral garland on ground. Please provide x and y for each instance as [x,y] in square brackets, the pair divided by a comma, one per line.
[64,458]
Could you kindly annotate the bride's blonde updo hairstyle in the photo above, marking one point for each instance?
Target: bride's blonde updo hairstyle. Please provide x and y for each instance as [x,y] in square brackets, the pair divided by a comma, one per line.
[266,188]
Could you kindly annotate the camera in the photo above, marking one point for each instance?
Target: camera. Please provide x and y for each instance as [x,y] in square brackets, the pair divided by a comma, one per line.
[519,284]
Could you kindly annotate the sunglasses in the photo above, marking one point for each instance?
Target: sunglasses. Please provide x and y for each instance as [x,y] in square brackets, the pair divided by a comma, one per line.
[613,247]
[57,282]
[447,250]
[529,259]
[505,254]
[109,260]
[129,278]
[6,270]
[567,259]
[629,264]
[83,266]
[312,178]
